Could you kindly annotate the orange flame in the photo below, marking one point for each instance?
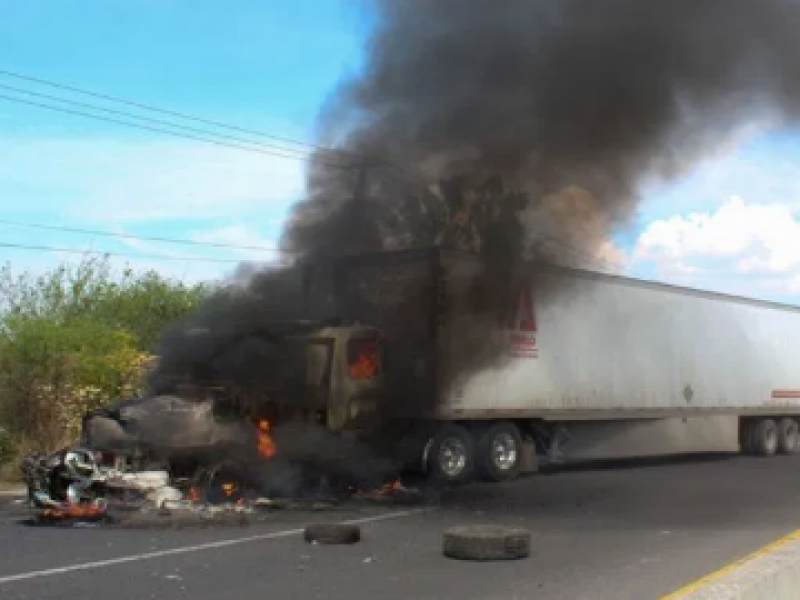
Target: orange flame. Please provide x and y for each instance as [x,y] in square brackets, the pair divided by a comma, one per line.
[367,364]
[73,511]
[266,445]
[392,486]
[193,495]
[229,488]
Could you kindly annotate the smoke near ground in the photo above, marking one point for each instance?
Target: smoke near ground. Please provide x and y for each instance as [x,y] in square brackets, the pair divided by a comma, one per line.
[508,128]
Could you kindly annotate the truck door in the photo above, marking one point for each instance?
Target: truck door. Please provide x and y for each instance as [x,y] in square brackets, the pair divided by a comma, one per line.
[354,396]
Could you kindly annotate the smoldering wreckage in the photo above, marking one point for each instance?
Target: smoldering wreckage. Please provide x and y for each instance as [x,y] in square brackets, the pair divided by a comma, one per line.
[443,282]
[193,459]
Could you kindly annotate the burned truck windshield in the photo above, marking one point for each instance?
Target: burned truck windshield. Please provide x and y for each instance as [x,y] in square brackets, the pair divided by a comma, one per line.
[364,358]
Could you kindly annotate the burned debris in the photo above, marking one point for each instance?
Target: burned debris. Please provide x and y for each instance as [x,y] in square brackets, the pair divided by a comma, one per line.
[65,484]
[196,469]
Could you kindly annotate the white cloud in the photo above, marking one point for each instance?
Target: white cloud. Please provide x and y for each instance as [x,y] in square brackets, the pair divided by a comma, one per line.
[740,246]
[139,181]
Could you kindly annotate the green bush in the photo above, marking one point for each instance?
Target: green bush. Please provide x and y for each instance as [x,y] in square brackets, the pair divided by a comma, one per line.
[8,445]
[74,338]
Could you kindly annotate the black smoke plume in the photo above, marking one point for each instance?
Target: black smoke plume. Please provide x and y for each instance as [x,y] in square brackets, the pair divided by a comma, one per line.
[506,127]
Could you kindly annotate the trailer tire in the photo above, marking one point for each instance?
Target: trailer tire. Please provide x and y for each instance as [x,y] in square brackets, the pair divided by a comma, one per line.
[499,452]
[332,533]
[788,436]
[451,456]
[764,437]
[486,542]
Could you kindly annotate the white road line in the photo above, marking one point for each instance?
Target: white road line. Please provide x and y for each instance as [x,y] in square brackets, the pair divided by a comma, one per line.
[198,548]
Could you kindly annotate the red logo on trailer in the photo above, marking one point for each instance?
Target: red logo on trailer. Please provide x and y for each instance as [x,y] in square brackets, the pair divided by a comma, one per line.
[521,323]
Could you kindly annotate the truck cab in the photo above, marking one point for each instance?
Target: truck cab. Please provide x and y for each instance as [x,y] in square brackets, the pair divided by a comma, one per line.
[347,363]
[342,389]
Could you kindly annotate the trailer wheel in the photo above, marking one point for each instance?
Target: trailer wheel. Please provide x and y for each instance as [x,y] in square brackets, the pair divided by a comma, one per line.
[499,452]
[451,457]
[788,436]
[764,437]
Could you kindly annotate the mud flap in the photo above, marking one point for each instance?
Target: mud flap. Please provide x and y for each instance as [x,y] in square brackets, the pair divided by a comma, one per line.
[530,461]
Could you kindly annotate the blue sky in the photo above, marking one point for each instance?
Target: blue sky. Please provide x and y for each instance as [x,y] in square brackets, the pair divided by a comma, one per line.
[268,66]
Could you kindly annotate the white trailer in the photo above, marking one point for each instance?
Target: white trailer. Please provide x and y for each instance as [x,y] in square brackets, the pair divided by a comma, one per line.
[579,351]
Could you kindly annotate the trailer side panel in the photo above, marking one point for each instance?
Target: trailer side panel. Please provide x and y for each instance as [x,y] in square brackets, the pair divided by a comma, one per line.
[586,346]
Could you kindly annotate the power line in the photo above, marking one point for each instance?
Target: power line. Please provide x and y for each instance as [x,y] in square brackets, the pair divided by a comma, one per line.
[151,120]
[574,250]
[120,254]
[274,150]
[129,236]
[157,109]
[166,131]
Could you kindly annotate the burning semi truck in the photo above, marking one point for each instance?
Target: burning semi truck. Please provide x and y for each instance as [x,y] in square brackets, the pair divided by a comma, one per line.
[443,365]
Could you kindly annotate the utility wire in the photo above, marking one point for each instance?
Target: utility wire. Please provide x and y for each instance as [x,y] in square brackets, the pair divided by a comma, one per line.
[273,149]
[123,254]
[300,153]
[132,236]
[166,131]
[576,252]
[152,108]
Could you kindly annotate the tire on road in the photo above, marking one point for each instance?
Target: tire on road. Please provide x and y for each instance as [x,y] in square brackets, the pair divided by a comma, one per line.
[764,437]
[486,543]
[499,452]
[788,436]
[451,458]
[332,533]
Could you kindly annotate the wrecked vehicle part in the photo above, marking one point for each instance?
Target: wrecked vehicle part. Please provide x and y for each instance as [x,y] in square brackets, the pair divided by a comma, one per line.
[37,471]
[181,434]
[162,422]
[63,481]
[145,488]
[295,431]
[226,482]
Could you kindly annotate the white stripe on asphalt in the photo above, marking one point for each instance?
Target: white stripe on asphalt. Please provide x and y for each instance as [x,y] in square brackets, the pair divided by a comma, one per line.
[198,548]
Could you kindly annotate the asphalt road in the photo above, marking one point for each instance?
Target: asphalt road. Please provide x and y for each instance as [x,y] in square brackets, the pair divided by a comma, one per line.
[634,530]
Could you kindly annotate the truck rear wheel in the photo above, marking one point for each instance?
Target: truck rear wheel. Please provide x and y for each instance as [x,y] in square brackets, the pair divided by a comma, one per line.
[499,452]
[788,436]
[764,437]
[451,457]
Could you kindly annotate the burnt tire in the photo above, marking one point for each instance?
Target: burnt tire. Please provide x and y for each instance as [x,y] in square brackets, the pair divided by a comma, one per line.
[764,437]
[486,543]
[332,533]
[451,457]
[788,436]
[499,452]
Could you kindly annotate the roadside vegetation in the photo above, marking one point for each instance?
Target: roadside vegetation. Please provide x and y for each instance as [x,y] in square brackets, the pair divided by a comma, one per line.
[73,338]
